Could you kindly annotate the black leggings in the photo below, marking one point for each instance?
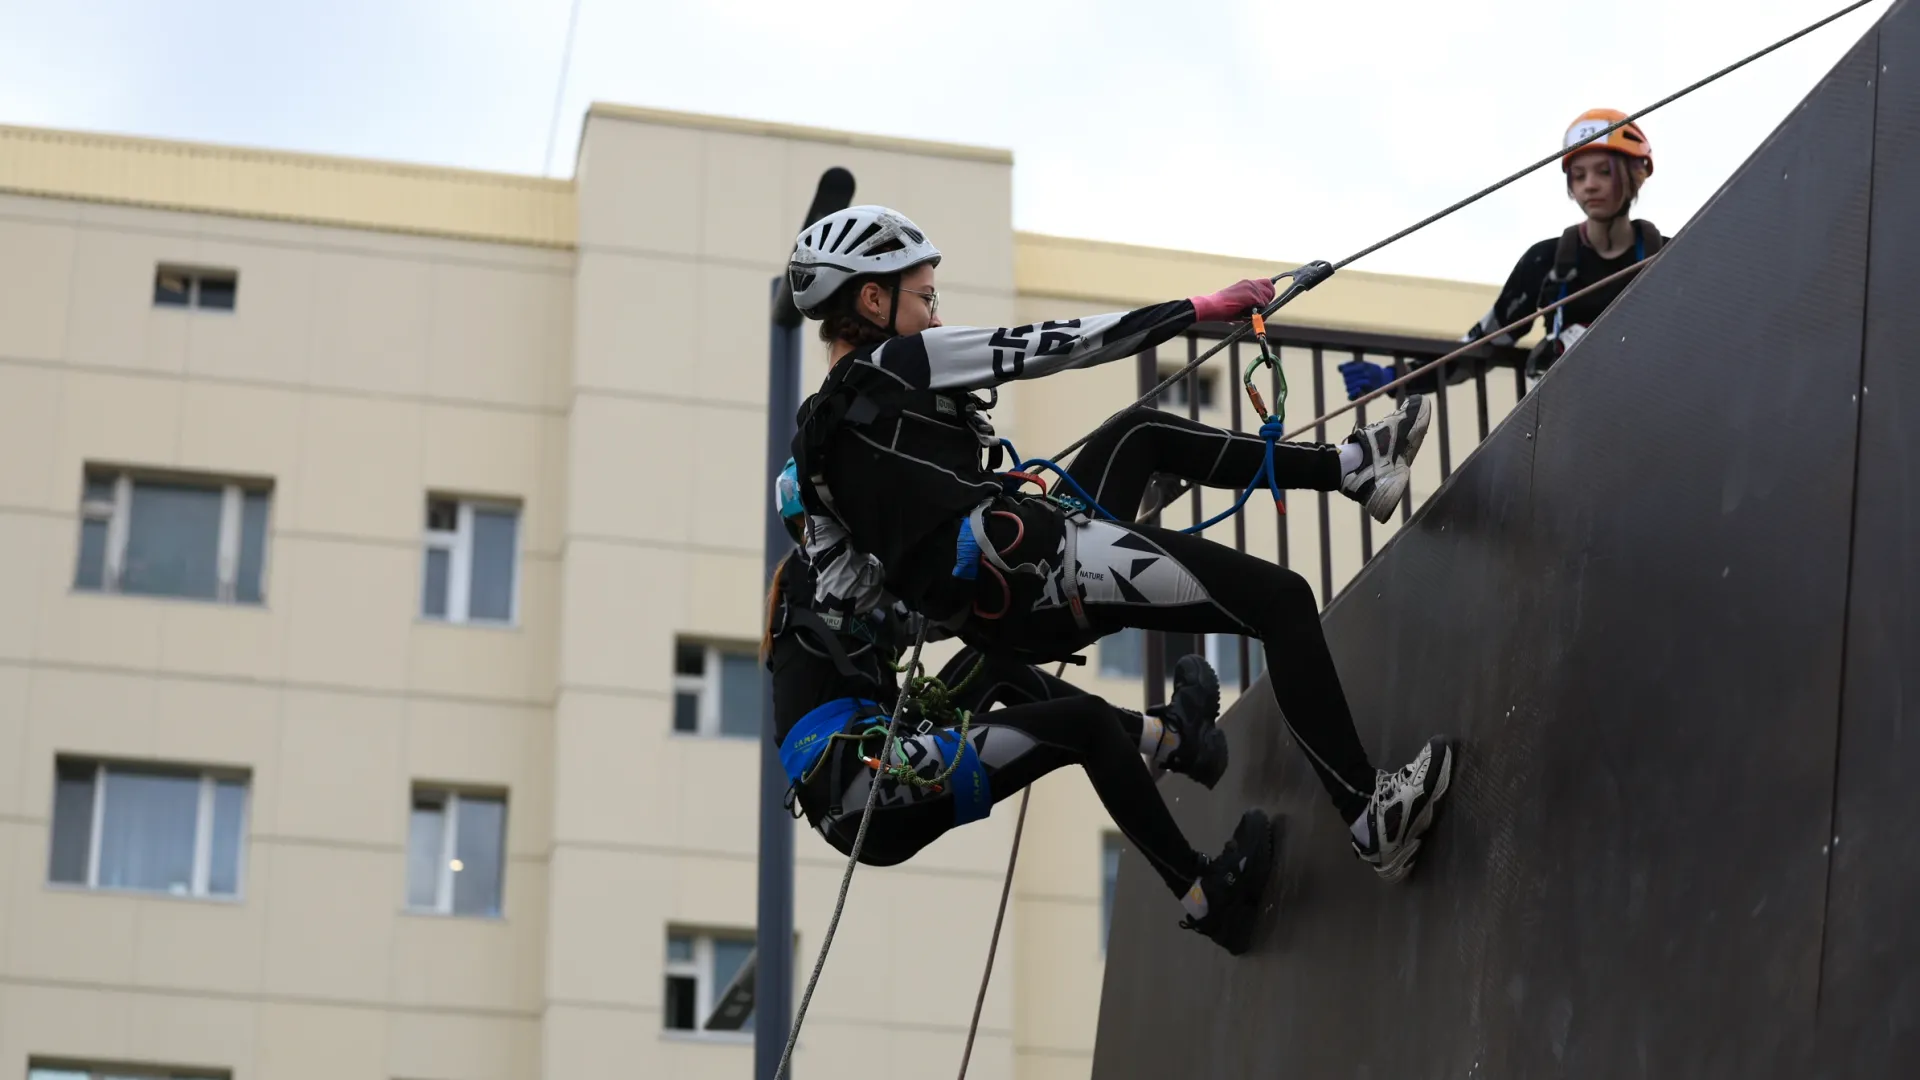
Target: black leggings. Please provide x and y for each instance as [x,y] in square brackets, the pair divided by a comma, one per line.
[1124,455]
[1158,579]
[1045,724]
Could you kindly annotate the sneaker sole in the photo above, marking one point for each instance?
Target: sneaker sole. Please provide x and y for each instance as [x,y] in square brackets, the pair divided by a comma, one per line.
[1259,868]
[1397,868]
[1389,486]
[1418,435]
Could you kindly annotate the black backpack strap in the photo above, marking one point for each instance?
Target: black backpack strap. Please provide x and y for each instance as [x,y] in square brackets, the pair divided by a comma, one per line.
[1650,239]
[1566,255]
[823,636]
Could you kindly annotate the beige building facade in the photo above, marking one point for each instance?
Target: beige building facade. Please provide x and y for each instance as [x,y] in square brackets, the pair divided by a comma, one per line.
[380,575]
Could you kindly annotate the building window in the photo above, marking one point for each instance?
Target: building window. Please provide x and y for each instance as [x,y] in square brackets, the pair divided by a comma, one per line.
[147,828]
[472,551]
[700,966]
[1111,845]
[456,852]
[39,1070]
[1123,655]
[188,287]
[1175,396]
[1223,652]
[193,537]
[716,690]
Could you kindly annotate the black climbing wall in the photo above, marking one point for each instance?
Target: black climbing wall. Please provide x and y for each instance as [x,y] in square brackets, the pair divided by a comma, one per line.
[1870,975]
[1670,609]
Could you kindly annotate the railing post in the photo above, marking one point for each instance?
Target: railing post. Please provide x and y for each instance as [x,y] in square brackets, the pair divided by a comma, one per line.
[1193,406]
[1406,499]
[1320,436]
[1152,663]
[1279,519]
[1366,520]
[1480,397]
[1240,520]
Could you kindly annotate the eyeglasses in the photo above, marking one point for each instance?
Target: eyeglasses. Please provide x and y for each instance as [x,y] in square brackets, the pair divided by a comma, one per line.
[931,296]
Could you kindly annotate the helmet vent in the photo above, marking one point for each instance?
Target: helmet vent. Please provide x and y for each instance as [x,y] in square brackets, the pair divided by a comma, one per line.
[839,242]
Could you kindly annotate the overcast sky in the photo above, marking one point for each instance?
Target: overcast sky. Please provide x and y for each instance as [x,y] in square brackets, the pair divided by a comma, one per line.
[1268,128]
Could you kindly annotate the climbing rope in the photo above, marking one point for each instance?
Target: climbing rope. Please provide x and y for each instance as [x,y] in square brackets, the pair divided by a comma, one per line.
[1299,280]
[1437,365]
[846,879]
[1317,272]
[1306,277]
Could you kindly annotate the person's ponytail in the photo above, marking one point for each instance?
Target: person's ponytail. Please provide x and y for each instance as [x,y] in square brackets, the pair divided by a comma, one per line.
[773,607]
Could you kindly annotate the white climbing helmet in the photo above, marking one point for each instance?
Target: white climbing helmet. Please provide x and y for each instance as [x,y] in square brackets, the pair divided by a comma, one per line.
[845,245]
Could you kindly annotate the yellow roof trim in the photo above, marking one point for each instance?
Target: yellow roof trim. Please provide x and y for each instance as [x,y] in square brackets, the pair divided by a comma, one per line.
[285,186]
[1128,275]
[739,126]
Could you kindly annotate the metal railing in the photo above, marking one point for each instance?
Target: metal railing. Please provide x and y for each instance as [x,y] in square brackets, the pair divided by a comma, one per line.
[1316,354]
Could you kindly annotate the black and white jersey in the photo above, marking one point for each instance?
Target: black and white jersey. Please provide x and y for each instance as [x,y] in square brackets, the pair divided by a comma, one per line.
[910,459]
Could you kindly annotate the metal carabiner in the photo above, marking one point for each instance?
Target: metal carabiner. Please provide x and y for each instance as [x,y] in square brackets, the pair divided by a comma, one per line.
[1278,416]
[1267,359]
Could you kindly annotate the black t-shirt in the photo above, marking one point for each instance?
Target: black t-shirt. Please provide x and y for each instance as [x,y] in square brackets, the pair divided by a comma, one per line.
[1528,289]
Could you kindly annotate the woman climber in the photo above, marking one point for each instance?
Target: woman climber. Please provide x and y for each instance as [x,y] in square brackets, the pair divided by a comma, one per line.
[1604,178]
[898,500]
[834,689]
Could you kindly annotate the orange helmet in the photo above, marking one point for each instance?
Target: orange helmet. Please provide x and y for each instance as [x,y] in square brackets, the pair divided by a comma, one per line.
[1626,139]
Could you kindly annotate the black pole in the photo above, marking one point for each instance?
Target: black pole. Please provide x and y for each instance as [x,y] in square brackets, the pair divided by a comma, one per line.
[773,947]
[773,932]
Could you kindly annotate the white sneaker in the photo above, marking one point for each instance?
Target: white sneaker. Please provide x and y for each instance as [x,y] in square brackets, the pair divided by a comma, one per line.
[1390,444]
[1402,809]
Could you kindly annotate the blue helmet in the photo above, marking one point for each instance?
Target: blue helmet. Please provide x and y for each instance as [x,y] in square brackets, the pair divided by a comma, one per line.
[786,498]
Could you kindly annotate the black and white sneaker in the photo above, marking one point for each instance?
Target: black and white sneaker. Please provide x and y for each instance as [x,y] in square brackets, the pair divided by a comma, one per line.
[1190,713]
[1402,809]
[1390,444]
[1233,884]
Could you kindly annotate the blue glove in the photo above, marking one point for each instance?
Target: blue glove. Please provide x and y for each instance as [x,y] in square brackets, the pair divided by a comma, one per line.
[1364,377]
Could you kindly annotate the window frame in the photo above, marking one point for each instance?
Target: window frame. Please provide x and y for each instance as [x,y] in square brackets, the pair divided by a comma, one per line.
[1209,390]
[458,544]
[705,687]
[117,512]
[195,277]
[1221,645]
[449,848]
[209,780]
[102,1071]
[1217,647]
[706,988]
[1110,840]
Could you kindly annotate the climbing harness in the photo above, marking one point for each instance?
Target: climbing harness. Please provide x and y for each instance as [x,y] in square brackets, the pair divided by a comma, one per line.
[1301,280]
[809,745]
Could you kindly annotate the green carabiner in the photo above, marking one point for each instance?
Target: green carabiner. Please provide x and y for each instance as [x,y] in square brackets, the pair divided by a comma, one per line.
[1266,358]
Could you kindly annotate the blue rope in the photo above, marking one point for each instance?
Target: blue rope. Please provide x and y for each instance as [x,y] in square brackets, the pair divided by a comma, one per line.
[1271,431]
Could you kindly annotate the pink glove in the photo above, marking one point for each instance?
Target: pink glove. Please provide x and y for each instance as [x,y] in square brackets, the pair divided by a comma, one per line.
[1233,301]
